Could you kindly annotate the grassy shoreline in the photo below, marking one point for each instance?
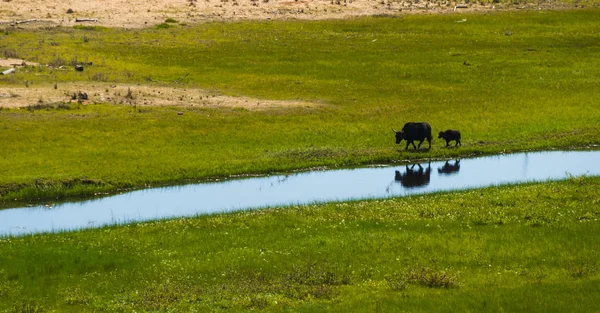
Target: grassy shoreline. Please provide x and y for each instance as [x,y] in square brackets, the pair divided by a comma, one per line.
[526,247]
[510,81]
[77,190]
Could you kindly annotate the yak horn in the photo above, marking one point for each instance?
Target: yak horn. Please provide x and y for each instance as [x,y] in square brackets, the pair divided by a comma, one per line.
[394,130]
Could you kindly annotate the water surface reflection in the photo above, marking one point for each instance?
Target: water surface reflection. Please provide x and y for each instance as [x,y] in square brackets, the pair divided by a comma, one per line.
[300,188]
[450,168]
[414,177]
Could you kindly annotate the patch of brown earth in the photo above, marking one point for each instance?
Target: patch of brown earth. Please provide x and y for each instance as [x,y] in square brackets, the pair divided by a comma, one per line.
[15,63]
[145,13]
[139,95]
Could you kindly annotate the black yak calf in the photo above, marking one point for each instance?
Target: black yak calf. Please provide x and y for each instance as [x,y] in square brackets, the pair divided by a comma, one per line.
[450,135]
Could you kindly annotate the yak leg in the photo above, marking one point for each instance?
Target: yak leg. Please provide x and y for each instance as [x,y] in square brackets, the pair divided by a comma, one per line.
[413,143]
[421,142]
[458,143]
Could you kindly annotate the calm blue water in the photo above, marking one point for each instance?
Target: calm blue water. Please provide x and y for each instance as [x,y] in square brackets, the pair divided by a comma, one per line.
[301,188]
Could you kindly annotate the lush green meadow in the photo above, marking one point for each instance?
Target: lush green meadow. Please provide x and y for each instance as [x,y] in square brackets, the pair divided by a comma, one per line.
[509,81]
[529,248]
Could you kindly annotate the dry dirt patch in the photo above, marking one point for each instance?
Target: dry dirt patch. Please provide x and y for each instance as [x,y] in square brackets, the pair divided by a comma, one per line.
[140,95]
[144,13]
[15,63]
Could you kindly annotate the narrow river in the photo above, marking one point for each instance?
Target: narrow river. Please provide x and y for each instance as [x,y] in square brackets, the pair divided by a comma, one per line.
[300,188]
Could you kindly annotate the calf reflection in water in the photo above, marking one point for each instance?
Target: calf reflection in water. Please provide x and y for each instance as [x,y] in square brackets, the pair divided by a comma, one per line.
[450,168]
[414,177]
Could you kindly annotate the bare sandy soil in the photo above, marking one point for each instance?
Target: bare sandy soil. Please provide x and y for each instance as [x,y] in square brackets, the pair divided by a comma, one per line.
[139,95]
[15,62]
[143,13]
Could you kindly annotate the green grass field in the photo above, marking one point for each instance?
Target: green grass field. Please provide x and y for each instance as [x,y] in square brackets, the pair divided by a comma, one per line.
[529,248]
[509,81]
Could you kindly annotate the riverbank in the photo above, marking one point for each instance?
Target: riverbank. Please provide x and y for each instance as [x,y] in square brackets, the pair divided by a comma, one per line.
[514,248]
[303,188]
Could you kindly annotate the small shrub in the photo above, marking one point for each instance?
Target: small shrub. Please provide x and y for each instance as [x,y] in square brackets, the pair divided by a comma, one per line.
[48,106]
[76,296]
[99,77]
[258,302]
[10,54]
[577,180]
[396,282]
[163,26]
[170,20]
[430,278]
[74,61]
[129,94]
[579,270]
[27,306]
[86,27]
[57,62]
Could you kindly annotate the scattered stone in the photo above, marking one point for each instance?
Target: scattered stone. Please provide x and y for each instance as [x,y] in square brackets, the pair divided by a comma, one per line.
[81,20]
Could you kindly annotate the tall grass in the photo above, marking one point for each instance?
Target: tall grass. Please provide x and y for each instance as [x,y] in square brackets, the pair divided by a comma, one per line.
[509,81]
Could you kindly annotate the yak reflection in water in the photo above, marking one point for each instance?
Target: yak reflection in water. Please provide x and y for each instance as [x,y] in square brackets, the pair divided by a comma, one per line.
[414,177]
[450,168]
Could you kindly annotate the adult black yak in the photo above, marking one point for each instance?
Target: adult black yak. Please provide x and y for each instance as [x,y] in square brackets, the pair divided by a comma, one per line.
[450,135]
[414,131]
